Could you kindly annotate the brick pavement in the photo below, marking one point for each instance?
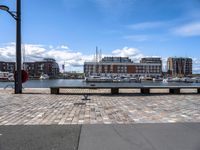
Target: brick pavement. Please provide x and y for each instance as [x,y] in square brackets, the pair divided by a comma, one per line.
[37,106]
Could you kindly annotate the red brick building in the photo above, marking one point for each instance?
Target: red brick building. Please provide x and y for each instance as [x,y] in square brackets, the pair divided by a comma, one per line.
[47,66]
[7,66]
[35,69]
[122,66]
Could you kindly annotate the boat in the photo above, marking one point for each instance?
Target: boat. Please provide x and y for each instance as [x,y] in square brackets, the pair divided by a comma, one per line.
[142,78]
[165,80]
[124,79]
[176,79]
[6,76]
[44,77]
[157,79]
[196,79]
[187,80]
[116,79]
[98,79]
[133,80]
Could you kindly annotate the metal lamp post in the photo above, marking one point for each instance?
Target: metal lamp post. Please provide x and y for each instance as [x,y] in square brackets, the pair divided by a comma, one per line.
[17,16]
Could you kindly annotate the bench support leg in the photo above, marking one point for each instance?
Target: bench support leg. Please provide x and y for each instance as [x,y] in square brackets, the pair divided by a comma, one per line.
[175,91]
[145,91]
[85,97]
[198,91]
[114,91]
[55,90]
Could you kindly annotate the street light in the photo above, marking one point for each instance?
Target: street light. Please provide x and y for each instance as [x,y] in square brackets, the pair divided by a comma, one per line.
[17,16]
[3,7]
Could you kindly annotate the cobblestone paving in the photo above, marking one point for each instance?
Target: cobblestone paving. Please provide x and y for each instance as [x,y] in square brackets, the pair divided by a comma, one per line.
[44,108]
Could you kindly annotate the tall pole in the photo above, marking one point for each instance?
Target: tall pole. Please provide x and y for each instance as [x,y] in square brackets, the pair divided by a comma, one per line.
[18,79]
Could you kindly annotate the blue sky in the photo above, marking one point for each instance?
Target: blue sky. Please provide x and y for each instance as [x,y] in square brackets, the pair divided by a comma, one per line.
[69,30]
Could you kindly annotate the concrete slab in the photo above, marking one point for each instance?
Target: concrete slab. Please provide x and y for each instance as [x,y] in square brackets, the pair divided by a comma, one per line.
[140,137]
[112,137]
[193,126]
[49,137]
[178,136]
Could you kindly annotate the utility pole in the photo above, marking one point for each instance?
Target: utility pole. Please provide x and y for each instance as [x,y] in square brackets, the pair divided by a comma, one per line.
[17,16]
[18,79]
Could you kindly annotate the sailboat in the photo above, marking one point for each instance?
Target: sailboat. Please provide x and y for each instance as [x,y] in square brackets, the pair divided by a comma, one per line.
[44,77]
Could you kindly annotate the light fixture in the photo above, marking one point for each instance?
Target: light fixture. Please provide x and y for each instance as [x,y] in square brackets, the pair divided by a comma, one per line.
[3,7]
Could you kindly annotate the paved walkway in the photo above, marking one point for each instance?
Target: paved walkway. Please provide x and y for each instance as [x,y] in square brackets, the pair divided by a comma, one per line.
[38,109]
[176,136]
[38,120]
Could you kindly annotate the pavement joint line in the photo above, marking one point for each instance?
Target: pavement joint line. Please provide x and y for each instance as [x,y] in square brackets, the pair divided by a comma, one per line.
[79,136]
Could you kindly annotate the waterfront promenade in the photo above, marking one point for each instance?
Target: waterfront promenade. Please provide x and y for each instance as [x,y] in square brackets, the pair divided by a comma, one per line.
[38,120]
[37,106]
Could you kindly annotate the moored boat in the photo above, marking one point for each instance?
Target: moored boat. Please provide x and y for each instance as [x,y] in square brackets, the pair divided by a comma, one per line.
[98,79]
[187,80]
[196,79]
[6,76]
[143,79]
[157,79]
[176,79]
[44,77]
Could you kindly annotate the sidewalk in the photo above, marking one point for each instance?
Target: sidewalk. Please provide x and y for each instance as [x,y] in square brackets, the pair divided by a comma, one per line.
[178,136]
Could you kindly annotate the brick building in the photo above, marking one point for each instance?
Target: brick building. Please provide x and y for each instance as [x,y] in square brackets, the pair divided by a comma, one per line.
[35,69]
[7,66]
[47,66]
[179,66]
[152,60]
[122,66]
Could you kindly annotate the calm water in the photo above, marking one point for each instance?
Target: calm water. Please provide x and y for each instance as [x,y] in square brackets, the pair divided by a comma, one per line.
[65,82]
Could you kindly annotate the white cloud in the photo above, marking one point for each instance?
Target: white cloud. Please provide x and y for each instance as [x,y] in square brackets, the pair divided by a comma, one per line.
[63,47]
[73,60]
[133,53]
[147,25]
[7,52]
[188,30]
[34,49]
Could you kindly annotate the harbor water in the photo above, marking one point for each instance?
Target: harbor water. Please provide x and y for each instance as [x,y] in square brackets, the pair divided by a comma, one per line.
[67,82]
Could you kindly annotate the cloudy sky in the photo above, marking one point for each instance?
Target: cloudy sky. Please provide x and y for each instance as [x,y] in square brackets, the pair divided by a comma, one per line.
[69,30]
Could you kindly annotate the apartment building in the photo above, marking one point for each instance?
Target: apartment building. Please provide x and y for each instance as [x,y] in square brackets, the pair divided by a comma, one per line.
[7,66]
[35,69]
[179,66]
[122,66]
[46,66]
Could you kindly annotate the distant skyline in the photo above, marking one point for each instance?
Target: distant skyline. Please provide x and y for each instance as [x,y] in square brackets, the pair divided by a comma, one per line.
[69,30]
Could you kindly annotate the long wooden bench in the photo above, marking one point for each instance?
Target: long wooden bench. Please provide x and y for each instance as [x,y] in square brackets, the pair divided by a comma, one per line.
[172,89]
[115,89]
